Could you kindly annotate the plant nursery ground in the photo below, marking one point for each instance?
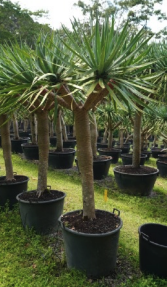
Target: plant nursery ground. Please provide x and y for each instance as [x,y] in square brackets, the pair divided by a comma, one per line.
[27,259]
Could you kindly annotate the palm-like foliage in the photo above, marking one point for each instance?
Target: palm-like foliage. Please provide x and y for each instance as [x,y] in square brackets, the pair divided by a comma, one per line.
[107,62]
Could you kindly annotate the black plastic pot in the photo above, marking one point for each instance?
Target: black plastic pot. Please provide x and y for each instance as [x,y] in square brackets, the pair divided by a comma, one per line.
[153,249]
[16,144]
[101,167]
[147,153]
[114,153]
[9,190]
[135,184]
[53,141]
[162,166]
[42,216]
[124,149]
[94,254]
[31,152]
[69,144]
[102,145]
[156,151]
[61,160]
[127,159]
[24,134]
[162,157]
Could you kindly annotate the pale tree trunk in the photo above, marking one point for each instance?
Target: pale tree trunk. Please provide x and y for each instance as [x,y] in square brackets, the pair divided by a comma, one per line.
[6,146]
[142,141]
[85,161]
[51,129]
[137,140]
[110,134]
[59,144]
[155,140]
[93,132]
[15,127]
[121,137]
[104,140]
[25,125]
[43,145]
[33,125]
[74,134]
[64,129]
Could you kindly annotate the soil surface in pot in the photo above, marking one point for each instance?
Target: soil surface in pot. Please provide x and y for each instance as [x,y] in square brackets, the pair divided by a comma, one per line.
[65,150]
[133,170]
[101,158]
[30,145]
[16,179]
[45,196]
[103,223]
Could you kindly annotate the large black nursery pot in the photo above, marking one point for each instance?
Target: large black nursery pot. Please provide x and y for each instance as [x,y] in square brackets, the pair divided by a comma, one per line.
[71,143]
[156,151]
[94,254]
[101,166]
[31,151]
[9,190]
[114,153]
[16,144]
[135,183]
[53,141]
[147,153]
[41,215]
[153,249]
[124,149]
[61,160]
[127,159]
[162,166]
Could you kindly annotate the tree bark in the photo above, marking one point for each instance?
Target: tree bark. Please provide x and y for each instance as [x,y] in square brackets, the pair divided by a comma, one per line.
[59,144]
[43,145]
[6,146]
[15,127]
[33,125]
[137,140]
[93,131]
[85,161]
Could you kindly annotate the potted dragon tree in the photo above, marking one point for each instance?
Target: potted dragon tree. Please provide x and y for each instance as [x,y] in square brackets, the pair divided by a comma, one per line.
[11,184]
[40,208]
[106,64]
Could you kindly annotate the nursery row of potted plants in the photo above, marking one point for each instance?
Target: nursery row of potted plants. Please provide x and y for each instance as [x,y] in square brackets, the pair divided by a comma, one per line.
[78,72]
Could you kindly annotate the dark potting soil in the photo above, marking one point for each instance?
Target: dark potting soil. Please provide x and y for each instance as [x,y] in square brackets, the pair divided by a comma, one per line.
[18,178]
[65,150]
[103,223]
[101,158]
[133,170]
[32,196]
[31,145]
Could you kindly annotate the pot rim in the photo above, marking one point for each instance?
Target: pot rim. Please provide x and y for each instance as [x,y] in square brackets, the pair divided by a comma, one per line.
[111,150]
[137,175]
[15,183]
[39,202]
[89,234]
[70,150]
[147,239]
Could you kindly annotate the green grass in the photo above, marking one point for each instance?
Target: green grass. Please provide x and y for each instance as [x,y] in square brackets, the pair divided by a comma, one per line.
[27,259]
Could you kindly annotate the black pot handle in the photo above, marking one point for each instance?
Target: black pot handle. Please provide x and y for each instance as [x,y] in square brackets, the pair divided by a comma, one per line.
[115,209]
[145,236]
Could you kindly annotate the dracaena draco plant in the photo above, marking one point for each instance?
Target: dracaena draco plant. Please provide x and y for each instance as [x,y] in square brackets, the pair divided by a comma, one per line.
[108,62]
[112,118]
